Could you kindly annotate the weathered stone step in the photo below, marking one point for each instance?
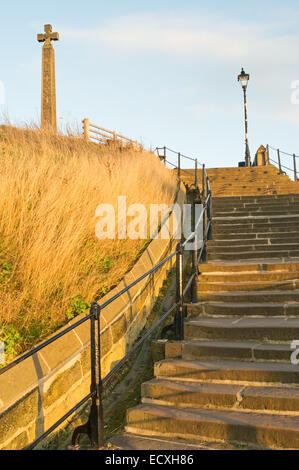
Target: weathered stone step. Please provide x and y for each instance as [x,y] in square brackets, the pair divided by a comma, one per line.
[218,243]
[289,298]
[257,278]
[269,431]
[245,255]
[234,230]
[249,308]
[256,208]
[249,237]
[255,213]
[257,199]
[256,219]
[228,371]
[206,289]
[227,205]
[218,395]
[245,351]
[215,248]
[249,266]
[268,329]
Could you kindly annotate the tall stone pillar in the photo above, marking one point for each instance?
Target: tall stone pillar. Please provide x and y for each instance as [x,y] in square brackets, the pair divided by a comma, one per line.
[48,105]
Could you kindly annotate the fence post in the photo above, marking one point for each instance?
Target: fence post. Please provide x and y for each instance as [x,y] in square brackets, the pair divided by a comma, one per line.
[279,162]
[164,155]
[86,129]
[194,298]
[94,427]
[295,170]
[179,315]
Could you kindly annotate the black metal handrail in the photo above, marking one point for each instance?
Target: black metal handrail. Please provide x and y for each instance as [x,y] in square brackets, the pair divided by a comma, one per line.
[178,167]
[280,165]
[94,427]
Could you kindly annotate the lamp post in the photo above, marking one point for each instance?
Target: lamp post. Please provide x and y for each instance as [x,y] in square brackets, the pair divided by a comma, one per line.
[243,79]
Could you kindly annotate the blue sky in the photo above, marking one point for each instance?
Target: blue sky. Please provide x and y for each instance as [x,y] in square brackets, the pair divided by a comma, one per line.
[164,72]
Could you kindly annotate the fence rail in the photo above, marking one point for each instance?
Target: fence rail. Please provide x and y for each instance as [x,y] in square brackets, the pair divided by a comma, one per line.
[94,427]
[104,136]
[292,167]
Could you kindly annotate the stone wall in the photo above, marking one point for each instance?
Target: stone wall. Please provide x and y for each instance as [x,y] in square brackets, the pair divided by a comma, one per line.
[41,389]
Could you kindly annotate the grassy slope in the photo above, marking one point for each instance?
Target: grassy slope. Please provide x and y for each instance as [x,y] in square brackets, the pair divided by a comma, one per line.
[51,263]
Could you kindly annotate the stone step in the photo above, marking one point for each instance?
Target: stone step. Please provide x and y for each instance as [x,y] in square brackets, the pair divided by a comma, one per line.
[256,230]
[258,199]
[215,248]
[282,211]
[269,431]
[228,371]
[206,289]
[256,220]
[253,278]
[249,237]
[249,266]
[220,396]
[246,255]
[226,205]
[289,298]
[249,308]
[271,241]
[269,329]
[234,350]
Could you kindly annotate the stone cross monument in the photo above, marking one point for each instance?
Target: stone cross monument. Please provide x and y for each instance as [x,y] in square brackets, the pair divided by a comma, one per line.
[48,114]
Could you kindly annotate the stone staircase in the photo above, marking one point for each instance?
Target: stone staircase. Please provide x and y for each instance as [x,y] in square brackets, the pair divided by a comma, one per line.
[248,181]
[232,379]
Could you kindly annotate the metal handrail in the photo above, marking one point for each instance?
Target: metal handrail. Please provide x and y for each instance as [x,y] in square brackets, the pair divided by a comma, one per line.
[280,165]
[94,426]
[180,169]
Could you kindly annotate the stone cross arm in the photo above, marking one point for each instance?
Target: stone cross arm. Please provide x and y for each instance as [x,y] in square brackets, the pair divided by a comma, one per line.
[48,35]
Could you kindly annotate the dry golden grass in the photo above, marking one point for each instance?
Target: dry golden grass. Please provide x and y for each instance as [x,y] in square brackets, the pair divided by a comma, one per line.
[51,263]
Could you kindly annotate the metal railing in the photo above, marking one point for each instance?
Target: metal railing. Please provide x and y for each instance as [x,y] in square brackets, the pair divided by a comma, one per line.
[94,427]
[179,156]
[104,136]
[292,170]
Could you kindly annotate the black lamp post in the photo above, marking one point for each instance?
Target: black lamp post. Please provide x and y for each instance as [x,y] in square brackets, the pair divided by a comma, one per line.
[243,79]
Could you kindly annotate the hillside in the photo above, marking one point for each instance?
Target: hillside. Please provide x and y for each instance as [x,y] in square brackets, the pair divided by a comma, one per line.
[51,263]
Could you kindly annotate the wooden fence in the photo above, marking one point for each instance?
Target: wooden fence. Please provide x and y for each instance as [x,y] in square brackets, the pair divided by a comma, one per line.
[104,136]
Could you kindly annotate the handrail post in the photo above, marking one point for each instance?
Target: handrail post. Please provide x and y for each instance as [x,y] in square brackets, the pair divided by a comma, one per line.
[86,129]
[204,229]
[179,315]
[209,213]
[179,165]
[194,298]
[203,182]
[164,157]
[94,427]
[295,170]
[279,162]
[195,165]
[267,161]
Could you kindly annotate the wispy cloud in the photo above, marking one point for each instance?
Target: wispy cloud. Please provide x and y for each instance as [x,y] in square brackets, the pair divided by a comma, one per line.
[194,36]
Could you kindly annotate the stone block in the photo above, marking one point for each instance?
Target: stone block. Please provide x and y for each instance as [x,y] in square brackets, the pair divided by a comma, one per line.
[19,415]
[62,382]
[158,349]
